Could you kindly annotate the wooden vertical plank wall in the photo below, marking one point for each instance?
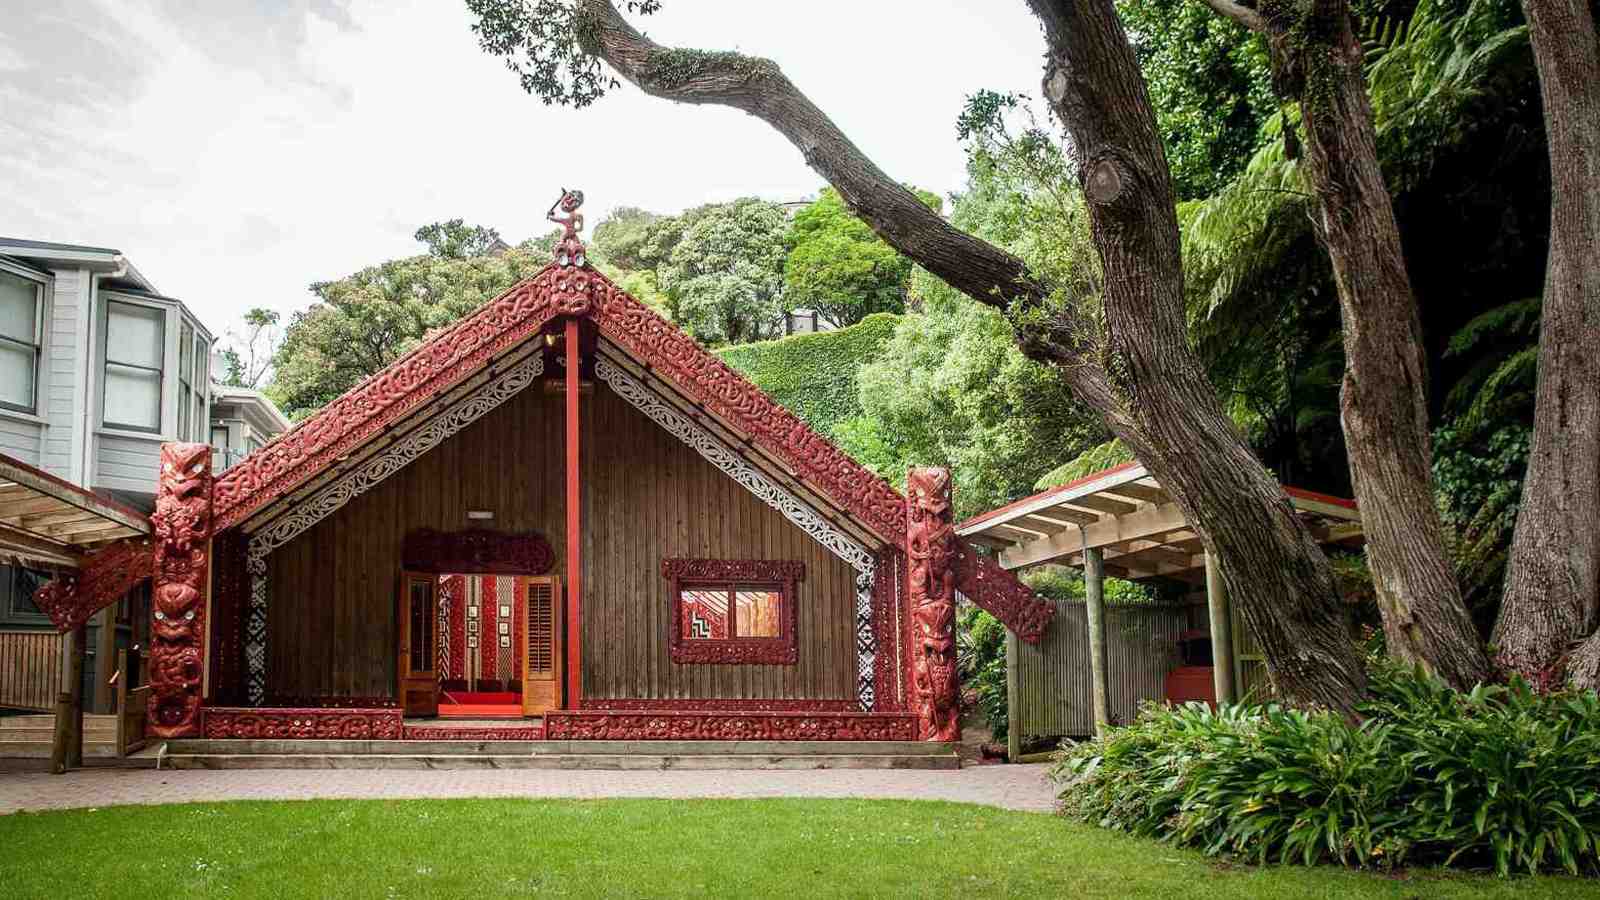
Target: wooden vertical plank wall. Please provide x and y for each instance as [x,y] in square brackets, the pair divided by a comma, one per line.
[646,496]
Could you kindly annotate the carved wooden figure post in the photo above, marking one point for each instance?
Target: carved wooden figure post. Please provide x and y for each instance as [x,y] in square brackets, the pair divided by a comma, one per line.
[182,523]
[931,550]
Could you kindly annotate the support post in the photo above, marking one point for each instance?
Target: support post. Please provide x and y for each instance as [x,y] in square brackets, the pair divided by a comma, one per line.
[1094,580]
[931,552]
[66,749]
[182,524]
[1013,701]
[1221,620]
[574,655]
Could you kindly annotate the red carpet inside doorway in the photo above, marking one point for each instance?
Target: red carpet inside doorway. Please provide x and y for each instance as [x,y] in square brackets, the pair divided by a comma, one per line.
[480,705]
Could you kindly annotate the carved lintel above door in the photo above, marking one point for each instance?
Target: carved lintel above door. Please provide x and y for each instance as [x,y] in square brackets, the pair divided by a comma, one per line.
[477,551]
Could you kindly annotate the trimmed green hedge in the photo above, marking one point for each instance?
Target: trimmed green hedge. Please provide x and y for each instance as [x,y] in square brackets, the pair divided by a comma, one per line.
[814,375]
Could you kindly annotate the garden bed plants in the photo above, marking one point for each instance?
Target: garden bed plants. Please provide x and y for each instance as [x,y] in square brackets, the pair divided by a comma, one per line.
[1501,778]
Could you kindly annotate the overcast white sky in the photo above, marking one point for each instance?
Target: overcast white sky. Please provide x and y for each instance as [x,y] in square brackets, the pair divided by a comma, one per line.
[237,150]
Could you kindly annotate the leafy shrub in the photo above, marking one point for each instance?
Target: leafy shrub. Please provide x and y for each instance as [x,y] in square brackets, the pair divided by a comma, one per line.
[1500,776]
[814,375]
[981,660]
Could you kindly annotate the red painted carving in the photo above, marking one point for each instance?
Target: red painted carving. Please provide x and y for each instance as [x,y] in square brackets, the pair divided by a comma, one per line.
[302,724]
[569,250]
[708,380]
[311,447]
[688,574]
[997,590]
[931,549]
[477,551]
[487,733]
[886,685]
[72,598]
[722,704]
[714,726]
[182,523]
[416,378]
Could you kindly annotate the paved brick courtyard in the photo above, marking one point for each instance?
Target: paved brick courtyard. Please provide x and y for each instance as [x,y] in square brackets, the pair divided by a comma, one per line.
[1022,787]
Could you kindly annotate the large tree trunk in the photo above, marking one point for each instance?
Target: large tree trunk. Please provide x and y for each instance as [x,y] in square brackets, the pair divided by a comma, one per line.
[1138,371]
[1552,595]
[1167,410]
[1383,405]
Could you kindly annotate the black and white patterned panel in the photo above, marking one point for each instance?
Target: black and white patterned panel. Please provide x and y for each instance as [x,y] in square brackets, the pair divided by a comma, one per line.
[866,643]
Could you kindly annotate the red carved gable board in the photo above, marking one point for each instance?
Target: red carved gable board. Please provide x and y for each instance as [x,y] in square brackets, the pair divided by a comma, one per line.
[521,312]
[456,353]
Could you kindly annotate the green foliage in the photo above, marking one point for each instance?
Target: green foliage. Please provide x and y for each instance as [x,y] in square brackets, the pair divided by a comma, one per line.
[1064,583]
[981,657]
[814,375]
[247,356]
[620,238]
[723,276]
[457,240]
[1481,451]
[1209,84]
[952,388]
[365,321]
[1095,459]
[837,266]
[1500,776]
[544,42]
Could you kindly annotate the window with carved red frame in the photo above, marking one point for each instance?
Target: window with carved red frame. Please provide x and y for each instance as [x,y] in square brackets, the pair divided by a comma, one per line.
[734,611]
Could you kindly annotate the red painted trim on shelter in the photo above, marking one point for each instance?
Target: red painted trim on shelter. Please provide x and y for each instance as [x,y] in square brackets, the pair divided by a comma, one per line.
[1304,494]
[1050,492]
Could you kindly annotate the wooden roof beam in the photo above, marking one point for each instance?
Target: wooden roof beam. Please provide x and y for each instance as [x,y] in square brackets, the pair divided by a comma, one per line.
[1145,523]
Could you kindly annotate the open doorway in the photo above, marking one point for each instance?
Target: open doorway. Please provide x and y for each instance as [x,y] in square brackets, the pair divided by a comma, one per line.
[498,649]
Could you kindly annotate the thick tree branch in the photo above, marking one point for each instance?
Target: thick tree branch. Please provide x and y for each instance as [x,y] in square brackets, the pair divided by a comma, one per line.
[978,269]
[1239,13]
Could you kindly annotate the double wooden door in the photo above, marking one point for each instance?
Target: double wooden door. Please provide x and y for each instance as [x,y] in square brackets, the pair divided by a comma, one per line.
[540,644]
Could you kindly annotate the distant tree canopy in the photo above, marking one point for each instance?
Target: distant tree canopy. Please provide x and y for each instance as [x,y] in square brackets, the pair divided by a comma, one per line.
[457,240]
[363,322]
[723,277]
[837,266]
[622,236]
[248,354]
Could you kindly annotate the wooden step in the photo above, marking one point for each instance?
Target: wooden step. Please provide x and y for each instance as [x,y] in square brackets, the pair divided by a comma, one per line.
[38,749]
[562,761]
[279,747]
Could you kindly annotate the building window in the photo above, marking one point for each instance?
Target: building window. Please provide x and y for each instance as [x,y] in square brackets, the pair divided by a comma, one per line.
[734,611]
[21,300]
[135,344]
[17,585]
[185,381]
[200,361]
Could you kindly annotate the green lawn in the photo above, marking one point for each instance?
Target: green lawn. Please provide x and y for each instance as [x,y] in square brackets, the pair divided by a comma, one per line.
[796,848]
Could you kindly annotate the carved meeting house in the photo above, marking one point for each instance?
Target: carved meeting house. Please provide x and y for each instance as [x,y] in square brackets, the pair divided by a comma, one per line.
[565,513]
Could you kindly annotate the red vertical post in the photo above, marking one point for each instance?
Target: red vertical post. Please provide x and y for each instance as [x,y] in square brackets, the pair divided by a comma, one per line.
[574,527]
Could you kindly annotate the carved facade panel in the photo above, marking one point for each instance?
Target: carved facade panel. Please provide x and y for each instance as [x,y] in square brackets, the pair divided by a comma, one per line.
[700,576]
[72,598]
[182,526]
[303,724]
[477,550]
[997,590]
[714,726]
[931,549]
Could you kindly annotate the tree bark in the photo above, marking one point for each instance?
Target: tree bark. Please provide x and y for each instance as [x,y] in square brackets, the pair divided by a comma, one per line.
[1138,370]
[1383,403]
[1552,595]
